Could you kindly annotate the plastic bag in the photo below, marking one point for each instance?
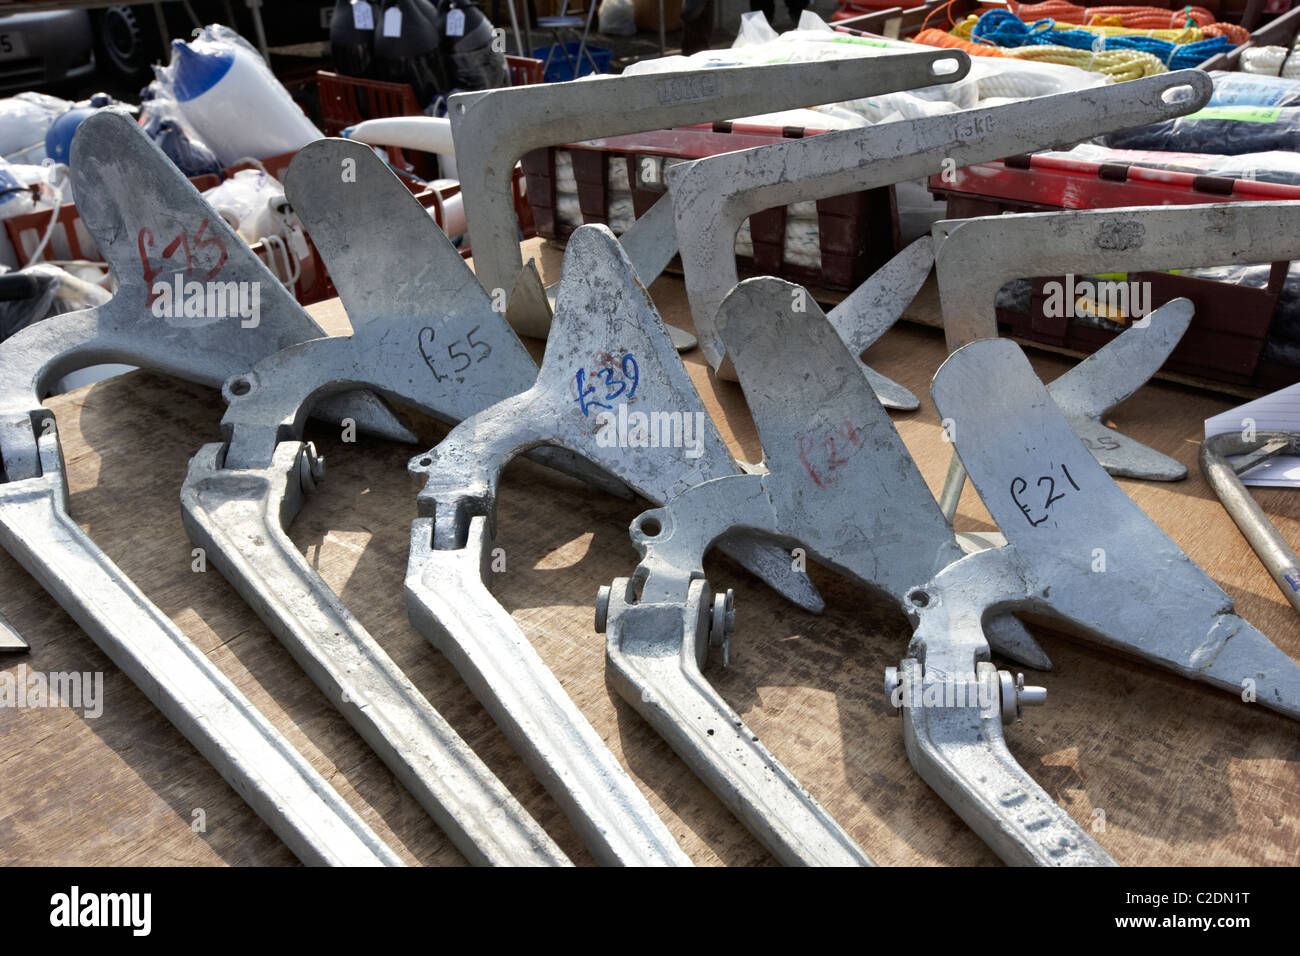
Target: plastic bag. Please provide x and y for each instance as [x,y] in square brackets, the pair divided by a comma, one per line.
[1229,130]
[162,122]
[27,188]
[244,200]
[1272,166]
[24,121]
[1245,89]
[229,97]
[617,18]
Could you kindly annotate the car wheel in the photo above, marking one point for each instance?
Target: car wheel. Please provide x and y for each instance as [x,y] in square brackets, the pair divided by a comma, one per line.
[124,45]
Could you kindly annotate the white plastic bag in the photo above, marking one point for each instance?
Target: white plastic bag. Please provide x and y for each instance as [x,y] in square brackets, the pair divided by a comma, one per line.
[617,18]
[244,201]
[24,121]
[230,98]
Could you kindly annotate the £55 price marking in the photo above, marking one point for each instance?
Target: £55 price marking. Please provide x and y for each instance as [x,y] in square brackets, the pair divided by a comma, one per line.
[461,353]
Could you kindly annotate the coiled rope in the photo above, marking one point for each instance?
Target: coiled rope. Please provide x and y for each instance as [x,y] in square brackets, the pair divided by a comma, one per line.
[1005,29]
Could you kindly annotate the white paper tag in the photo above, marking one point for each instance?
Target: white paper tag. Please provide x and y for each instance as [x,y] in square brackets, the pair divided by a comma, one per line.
[393,22]
[363,17]
[298,243]
[455,22]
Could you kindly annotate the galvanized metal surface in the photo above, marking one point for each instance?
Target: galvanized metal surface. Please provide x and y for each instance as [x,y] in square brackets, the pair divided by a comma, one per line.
[1079,549]
[241,495]
[650,244]
[261,765]
[838,482]
[10,640]
[238,517]
[608,359]
[1273,550]
[875,306]
[494,128]
[713,196]
[163,234]
[655,652]
[976,257]
[959,750]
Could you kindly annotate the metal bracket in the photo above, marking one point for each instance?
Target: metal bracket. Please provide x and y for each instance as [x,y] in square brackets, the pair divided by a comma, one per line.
[1273,551]
[492,129]
[974,258]
[165,235]
[713,196]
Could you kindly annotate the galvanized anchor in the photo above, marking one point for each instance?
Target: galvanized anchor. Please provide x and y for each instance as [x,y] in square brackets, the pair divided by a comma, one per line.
[828,447]
[1223,476]
[153,239]
[713,196]
[492,129]
[609,377]
[432,342]
[976,257]
[1061,513]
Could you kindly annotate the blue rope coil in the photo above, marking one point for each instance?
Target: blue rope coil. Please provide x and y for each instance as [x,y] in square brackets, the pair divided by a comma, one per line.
[1007,30]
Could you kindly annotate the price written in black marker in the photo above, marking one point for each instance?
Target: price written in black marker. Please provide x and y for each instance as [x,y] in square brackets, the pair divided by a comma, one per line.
[1046,486]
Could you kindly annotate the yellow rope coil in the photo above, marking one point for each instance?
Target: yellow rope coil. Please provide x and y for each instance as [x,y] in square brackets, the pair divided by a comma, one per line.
[1119,65]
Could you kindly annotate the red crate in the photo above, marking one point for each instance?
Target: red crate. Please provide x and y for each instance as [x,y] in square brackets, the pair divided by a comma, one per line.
[858,232]
[1226,339]
[347,100]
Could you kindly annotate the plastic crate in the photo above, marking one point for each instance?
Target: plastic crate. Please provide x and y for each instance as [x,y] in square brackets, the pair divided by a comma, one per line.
[558,70]
[858,232]
[70,240]
[1225,342]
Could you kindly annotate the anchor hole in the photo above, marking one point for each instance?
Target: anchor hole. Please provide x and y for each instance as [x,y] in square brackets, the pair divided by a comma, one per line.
[919,599]
[1178,94]
[944,67]
[241,386]
[650,527]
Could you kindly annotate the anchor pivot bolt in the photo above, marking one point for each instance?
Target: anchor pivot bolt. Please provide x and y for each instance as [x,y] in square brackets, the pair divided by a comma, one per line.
[892,683]
[724,617]
[602,608]
[722,623]
[311,468]
[1016,695]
